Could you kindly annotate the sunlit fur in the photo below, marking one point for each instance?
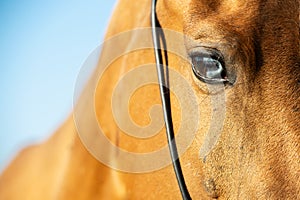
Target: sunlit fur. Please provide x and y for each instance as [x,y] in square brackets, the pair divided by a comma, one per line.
[258,154]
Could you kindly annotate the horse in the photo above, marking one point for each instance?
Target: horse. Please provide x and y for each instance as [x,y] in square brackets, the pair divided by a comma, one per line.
[234,96]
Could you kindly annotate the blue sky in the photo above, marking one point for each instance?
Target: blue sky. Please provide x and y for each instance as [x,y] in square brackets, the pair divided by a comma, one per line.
[42,47]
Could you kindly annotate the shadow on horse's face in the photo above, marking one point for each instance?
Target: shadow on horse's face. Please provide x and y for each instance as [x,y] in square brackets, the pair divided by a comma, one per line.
[258,43]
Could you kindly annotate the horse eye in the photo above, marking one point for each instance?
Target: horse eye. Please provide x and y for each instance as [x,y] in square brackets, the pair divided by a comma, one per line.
[209,67]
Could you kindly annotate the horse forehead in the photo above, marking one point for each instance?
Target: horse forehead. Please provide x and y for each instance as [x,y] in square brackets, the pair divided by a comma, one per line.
[238,8]
[190,14]
[210,5]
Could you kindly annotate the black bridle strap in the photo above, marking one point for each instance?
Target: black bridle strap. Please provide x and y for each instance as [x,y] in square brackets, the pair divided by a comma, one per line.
[166,103]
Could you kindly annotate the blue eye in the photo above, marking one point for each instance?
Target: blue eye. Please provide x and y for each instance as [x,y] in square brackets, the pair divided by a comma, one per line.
[209,67]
